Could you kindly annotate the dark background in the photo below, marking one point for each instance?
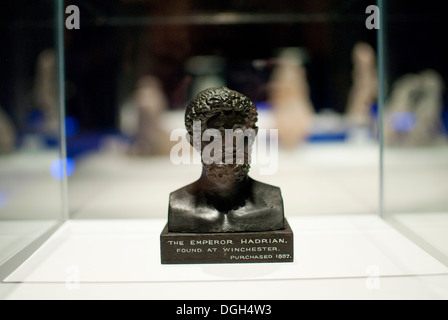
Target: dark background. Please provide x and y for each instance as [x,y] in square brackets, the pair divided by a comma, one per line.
[121,40]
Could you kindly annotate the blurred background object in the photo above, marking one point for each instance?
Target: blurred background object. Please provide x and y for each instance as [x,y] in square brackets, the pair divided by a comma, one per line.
[364,90]
[206,72]
[414,110]
[7,133]
[289,95]
[151,102]
[45,91]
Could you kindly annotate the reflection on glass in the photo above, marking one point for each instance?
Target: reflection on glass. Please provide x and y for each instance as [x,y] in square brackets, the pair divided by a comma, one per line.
[30,170]
[415,135]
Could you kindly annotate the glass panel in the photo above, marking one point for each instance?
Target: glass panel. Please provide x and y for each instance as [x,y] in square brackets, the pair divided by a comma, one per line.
[132,66]
[416,122]
[30,158]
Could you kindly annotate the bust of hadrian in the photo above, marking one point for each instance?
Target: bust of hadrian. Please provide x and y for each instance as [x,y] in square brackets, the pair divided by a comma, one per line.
[224,198]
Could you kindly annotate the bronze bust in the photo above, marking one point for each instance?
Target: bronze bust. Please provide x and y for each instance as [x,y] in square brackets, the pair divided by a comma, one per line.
[224,198]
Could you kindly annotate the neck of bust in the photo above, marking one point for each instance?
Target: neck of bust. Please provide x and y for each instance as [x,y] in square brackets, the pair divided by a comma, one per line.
[229,190]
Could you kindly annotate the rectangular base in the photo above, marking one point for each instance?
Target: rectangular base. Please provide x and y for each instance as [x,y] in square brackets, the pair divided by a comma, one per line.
[238,247]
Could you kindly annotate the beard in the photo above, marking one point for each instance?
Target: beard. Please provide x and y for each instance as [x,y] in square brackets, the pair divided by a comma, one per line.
[225,174]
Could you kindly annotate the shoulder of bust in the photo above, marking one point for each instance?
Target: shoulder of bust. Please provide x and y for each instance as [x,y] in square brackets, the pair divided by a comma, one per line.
[183,194]
[259,186]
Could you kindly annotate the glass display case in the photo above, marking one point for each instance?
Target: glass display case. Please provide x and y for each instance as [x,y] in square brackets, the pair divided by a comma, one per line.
[132,67]
[32,201]
[415,157]
[352,121]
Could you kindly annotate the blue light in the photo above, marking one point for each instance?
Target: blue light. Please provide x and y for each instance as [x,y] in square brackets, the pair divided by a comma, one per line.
[71,126]
[263,105]
[57,168]
[403,121]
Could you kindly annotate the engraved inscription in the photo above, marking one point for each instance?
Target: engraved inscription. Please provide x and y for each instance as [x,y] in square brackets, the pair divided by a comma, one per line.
[227,247]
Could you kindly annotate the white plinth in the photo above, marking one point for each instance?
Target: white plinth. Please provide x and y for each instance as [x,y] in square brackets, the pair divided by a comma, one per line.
[336,257]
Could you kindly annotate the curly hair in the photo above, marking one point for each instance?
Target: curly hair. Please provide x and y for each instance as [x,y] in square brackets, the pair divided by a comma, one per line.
[212,101]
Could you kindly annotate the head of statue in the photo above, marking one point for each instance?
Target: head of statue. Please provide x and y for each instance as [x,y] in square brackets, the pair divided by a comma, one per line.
[227,114]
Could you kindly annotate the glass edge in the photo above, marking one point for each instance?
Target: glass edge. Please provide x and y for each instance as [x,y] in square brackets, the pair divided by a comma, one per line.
[60,61]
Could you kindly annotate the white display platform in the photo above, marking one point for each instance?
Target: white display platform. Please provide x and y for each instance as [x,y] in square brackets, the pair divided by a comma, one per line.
[428,229]
[342,251]
[16,234]
[128,251]
[337,257]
